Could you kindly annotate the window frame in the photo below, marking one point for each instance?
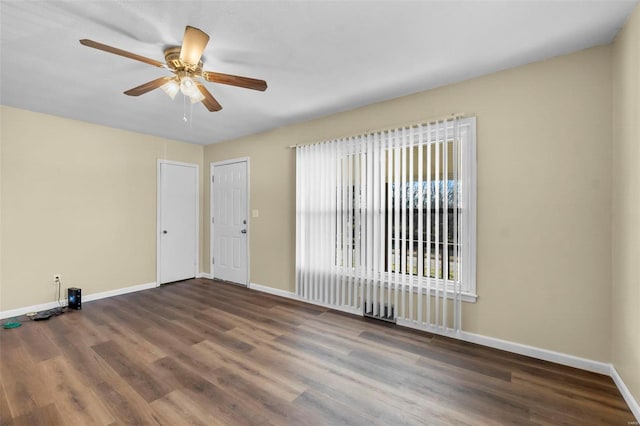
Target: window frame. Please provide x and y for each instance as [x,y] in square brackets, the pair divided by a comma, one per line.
[468,225]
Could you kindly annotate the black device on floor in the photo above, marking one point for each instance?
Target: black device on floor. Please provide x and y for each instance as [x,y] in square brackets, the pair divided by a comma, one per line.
[74,297]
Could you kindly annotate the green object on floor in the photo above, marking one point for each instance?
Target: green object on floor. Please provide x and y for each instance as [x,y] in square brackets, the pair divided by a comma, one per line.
[11,324]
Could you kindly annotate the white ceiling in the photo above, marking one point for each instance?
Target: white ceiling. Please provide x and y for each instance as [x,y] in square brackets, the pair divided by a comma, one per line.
[317,57]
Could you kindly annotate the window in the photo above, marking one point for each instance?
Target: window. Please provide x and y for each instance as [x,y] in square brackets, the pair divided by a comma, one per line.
[385,215]
[430,247]
[424,195]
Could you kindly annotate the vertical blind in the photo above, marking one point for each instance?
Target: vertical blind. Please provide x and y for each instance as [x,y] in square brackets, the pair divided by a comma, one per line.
[382,221]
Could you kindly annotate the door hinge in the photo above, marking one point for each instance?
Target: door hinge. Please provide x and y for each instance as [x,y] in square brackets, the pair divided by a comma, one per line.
[212,220]
[213,260]
[213,178]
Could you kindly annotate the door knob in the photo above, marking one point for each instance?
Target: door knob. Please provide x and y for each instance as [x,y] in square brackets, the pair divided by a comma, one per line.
[244,231]
[164,231]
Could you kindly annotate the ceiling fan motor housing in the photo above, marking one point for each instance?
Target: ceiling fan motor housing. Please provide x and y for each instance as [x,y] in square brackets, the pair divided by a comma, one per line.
[172,57]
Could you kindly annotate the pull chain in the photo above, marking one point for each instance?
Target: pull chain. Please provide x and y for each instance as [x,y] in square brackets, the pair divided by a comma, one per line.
[184,108]
[184,111]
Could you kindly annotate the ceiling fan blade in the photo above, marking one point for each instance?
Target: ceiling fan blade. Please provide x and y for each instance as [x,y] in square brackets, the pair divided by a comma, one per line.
[193,45]
[116,51]
[209,101]
[147,87]
[235,80]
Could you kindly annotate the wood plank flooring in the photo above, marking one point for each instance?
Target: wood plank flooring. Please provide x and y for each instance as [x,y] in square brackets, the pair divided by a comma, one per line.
[205,353]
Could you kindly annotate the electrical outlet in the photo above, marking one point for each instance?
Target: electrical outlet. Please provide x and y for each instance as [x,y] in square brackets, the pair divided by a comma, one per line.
[56,278]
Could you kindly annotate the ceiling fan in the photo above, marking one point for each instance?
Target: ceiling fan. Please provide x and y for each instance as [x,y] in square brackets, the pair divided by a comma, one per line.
[186,63]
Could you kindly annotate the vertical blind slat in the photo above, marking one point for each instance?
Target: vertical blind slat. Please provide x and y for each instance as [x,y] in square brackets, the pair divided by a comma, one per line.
[371,246]
[357,232]
[377,229]
[456,253]
[379,218]
[411,242]
[396,211]
[299,222]
[351,220]
[404,237]
[308,242]
[319,225]
[437,225]
[420,224]
[445,224]
[429,234]
[390,236]
[333,155]
[342,209]
[364,241]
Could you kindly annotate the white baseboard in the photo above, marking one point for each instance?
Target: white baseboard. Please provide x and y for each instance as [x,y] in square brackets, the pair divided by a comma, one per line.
[519,348]
[626,393]
[271,290]
[117,292]
[34,308]
[204,275]
[85,298]
[292,295]
[539,353]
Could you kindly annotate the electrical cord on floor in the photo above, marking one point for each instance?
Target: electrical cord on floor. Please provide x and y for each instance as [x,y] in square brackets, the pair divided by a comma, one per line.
[62,308]
[48,313]
[59,282]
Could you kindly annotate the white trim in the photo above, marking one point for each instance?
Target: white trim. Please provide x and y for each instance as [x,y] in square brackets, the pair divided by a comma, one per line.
[34,308]
[158,215]
[158,230]
[292,295]
[275,291]
[117,292]
[634,406]
[230,161]
[246,160]
[539,353]
[470,282]
[450,294]
[85,298]
[204,275]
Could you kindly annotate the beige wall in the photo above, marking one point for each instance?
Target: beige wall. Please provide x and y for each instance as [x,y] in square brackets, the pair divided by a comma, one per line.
[626,205]
[544,167]
[78,199]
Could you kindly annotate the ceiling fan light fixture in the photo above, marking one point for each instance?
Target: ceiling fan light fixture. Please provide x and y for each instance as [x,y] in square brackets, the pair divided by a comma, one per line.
[188,86]
[171,88]
[197,97]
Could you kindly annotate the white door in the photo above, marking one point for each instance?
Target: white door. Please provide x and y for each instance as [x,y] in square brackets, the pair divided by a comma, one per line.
[229,222]
[178,221]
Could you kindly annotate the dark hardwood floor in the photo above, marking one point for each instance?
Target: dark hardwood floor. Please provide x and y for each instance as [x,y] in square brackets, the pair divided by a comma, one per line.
[205,353]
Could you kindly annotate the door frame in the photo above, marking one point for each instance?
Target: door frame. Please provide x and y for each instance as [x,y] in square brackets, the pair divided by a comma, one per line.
[212,166]
[159,215]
